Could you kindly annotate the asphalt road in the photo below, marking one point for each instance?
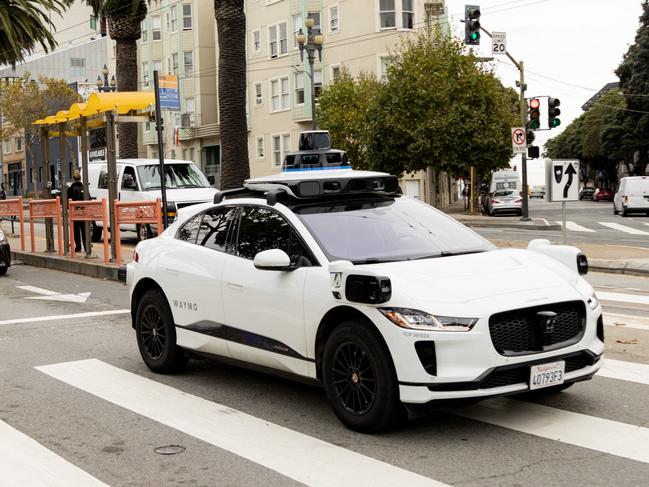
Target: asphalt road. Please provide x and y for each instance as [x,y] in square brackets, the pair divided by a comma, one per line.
[588,222]
[93,414]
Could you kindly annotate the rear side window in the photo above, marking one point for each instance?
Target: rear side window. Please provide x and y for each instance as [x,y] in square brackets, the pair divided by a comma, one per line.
[189,231]
[213,230]
[102,183]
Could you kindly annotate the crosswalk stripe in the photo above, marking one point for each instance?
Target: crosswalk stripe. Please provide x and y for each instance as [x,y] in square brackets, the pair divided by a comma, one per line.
[623,297]
[575,227]
[603,435]
[89,314]
[623,228]
[626,321]
[24,461]
[628,371]
[298,456]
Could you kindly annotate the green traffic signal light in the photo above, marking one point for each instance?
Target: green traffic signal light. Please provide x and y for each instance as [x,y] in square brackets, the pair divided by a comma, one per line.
[534,124]
[472,25]
[475,36]
[553,112]
[554,122]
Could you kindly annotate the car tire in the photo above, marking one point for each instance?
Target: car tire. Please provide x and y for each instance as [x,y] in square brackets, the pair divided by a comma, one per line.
[156,334]
[615,212]
[359,379]
[95,232]
[3,270]
[144,232]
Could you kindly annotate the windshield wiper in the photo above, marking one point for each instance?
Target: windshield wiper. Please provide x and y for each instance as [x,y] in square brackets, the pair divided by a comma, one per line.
[371,260]
[448,253]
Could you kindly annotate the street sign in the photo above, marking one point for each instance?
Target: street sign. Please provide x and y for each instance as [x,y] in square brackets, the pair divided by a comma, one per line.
[519,140]
[563,179]
[499,43]
[168,92]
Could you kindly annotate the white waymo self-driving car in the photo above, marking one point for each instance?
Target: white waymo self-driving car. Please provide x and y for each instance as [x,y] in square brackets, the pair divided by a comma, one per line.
[334,276]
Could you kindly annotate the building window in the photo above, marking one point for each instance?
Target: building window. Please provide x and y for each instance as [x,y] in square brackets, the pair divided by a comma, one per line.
[384,64]
[256,41]
[259,98]
[299,88]
[145,33]
[190,105]
[334,20]
[286,144]
[279,94]
[6,146]
[157,66]
[19,144]
[387,14]
[145,74]
[156,23]
[174,63]
[172,19]
[396,14]
[407,14]
[281,146]
[317,83]
[316,18]
[77,62]
[335,72]
[277,39]
[260,147]
[188,59]
[297,25]
[187,16]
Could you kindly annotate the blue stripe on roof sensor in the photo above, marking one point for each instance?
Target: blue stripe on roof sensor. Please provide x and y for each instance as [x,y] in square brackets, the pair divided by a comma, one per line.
[316,168]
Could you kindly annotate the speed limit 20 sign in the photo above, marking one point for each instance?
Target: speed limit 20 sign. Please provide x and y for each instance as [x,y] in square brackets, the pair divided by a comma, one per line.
[498,43]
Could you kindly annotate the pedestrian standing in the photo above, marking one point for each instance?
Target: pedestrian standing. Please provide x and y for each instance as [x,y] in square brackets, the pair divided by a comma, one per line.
[3,193]
[76,194]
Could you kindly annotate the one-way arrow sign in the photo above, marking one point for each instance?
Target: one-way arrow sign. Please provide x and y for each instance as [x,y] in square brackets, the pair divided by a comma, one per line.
[47,295]
[563,177]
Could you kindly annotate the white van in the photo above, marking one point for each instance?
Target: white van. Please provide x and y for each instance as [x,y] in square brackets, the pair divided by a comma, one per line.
[632,195]
[503,180]
[139,180]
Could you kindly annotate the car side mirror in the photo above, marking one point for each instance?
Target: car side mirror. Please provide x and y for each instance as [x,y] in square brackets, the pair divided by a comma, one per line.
[273,260]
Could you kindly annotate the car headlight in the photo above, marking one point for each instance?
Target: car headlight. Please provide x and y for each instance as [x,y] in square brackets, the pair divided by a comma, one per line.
[593,302]
[2,236]
[419,320]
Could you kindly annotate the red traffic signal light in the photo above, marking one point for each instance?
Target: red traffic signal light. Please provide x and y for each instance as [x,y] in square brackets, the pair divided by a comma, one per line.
[535,113]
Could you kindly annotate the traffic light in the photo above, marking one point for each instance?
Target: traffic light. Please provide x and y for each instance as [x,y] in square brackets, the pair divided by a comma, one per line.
[533,152]
[535,113]
[553,112]
[472,25]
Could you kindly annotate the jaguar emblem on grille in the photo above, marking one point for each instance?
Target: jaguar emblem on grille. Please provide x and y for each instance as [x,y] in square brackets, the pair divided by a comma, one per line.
[545,325]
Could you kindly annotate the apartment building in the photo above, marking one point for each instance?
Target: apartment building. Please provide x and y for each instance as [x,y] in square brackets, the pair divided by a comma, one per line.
[178,37]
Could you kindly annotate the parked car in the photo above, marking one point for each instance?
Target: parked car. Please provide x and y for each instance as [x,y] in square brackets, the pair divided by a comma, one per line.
[586,193]
[537,192]
[5,253]
[632,195]
[603,194]
[505,201]
[139,180]
[333,276]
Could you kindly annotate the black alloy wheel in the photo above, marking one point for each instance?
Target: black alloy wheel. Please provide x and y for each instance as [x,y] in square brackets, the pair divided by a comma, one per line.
[359,378]
[156,334]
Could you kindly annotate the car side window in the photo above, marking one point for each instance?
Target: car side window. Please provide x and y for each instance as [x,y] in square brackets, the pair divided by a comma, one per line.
[102,182]
[129,180]
[263,229]
[189,231]
[213,230]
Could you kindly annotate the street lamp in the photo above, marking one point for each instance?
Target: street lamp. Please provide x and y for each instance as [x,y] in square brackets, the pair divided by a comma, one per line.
[105,85]
[311,42]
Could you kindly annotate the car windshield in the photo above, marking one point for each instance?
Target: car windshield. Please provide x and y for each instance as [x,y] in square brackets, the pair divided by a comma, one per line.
[505,193]
[176,176]
[387,230]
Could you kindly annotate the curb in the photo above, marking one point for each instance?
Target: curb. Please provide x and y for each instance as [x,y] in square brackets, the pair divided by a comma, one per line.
[618,267]
[55,262]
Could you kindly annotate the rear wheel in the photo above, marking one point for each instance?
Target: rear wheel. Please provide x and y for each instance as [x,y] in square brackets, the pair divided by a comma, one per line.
[359,379]
[156,334]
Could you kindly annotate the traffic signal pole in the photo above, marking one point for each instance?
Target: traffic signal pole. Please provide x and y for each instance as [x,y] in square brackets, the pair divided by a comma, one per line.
[523,108]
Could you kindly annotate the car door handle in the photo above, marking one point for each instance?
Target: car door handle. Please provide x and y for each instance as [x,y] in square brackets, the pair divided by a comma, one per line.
[234,285]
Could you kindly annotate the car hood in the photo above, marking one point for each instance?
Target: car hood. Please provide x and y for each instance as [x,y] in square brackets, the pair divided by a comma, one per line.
[499,279]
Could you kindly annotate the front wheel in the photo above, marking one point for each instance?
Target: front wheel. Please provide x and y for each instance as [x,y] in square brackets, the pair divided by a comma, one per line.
[359,379]
[156,334]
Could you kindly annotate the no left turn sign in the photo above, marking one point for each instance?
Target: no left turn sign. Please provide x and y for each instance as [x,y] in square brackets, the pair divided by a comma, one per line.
[519,140]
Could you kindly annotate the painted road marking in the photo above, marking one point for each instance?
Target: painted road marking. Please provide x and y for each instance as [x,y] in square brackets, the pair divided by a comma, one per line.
[623,297]
[603,435]
[24,461]
[90,314]
[627,371]
[574,227]
[48,295]
[623,228]
[626,321]
[298,456]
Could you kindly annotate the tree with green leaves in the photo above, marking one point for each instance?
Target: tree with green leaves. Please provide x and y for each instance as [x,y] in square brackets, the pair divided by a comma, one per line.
[438,107]
[24,101]
[124,18]
[231,26]
[24,24]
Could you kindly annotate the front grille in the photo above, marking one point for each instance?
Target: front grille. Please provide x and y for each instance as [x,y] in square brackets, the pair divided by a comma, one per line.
[519,332]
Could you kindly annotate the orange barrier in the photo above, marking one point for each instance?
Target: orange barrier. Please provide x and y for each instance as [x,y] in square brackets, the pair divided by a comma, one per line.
[46,209]
[137,212]
[86,211]
[14,207]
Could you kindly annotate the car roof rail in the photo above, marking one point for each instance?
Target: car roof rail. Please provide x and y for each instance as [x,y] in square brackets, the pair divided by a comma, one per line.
[220,195]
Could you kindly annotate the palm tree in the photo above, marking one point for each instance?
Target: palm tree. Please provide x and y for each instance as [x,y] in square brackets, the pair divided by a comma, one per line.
[24,24]
[124,18]
[231,27]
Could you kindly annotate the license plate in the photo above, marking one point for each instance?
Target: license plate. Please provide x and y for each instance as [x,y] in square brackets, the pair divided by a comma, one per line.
[547,375]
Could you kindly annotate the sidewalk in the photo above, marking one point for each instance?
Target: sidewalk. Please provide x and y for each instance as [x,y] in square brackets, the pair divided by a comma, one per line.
[456,210]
